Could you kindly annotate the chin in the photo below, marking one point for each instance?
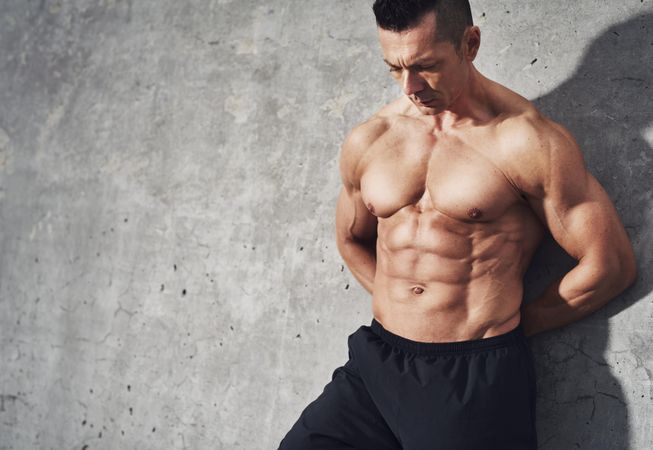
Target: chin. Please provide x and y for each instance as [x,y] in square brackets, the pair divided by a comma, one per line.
[429,111]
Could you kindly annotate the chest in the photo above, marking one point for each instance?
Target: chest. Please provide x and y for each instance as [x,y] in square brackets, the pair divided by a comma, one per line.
[462,180]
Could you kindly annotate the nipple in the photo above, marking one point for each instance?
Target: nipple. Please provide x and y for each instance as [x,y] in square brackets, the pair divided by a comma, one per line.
[370,207]
[418,290]
[474,213]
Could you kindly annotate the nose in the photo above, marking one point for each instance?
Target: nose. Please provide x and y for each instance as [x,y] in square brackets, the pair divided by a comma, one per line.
[412,82]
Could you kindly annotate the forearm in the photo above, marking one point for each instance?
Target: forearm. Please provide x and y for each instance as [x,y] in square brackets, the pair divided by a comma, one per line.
[360,257]
[579,293]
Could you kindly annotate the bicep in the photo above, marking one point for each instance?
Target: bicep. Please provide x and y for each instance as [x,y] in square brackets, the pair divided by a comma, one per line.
[574,206]
[589,225]
[353,219]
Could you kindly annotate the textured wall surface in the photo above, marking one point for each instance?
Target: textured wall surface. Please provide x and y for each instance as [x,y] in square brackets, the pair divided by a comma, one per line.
[168,175]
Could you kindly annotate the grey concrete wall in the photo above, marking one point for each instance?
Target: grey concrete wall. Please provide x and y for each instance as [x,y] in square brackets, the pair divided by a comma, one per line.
[168,176]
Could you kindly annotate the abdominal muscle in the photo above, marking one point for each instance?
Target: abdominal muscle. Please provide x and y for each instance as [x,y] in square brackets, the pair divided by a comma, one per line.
[436,282]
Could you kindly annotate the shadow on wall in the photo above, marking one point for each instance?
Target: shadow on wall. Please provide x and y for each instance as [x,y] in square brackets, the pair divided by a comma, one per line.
[607,106]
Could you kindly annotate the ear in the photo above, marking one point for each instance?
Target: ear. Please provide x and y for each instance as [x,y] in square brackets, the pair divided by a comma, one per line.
[471,42]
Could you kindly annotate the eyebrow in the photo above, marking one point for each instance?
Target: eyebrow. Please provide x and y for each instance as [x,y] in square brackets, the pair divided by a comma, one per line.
[418,63]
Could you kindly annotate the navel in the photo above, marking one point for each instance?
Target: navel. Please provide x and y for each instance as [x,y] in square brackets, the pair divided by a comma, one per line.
[474,213]
[418,290]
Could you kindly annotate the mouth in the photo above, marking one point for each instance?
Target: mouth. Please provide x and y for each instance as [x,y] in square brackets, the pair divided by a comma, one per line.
[425,102]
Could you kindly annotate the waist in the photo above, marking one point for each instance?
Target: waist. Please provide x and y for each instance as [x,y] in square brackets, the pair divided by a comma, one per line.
[513,336]
[443,313]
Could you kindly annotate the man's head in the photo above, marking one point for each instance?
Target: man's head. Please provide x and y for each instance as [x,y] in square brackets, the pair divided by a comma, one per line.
[452,17]
[429,45]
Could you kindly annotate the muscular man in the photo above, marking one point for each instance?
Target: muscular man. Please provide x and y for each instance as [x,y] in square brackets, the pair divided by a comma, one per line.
[447,193]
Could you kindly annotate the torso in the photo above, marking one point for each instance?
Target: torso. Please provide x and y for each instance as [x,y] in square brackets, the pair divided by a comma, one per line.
[455,235]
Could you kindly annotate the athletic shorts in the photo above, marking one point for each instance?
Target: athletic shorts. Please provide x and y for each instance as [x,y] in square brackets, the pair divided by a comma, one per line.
[394,393]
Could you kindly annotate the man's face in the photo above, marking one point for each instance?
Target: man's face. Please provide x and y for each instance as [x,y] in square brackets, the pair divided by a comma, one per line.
[431,74]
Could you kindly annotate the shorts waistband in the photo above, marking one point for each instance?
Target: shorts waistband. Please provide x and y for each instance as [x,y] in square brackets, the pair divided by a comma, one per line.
[515,336]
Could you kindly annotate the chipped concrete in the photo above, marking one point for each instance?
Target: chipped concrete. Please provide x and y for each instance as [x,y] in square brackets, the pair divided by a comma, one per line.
[168,177]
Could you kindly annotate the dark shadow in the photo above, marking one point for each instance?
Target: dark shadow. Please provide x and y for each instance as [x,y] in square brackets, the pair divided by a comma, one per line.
[606,105]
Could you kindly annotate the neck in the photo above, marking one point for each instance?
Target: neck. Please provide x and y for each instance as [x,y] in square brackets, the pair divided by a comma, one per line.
[470,105]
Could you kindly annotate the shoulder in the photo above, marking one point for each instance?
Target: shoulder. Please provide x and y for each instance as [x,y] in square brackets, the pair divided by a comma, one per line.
[531,130]
[356,143]
[366,133]
[523,128]
[540,151]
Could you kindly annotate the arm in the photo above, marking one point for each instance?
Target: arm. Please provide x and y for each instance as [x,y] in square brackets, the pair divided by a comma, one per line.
[356,226]
[354,238]
[583,220]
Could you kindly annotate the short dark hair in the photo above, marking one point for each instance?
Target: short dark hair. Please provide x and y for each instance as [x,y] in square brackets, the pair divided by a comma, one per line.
[452,17]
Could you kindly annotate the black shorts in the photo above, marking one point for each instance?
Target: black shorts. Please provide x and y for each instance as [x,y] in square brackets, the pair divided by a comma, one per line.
[394,393]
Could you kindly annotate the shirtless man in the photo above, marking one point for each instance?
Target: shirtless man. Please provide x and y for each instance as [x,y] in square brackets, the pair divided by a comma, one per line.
[447,193]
